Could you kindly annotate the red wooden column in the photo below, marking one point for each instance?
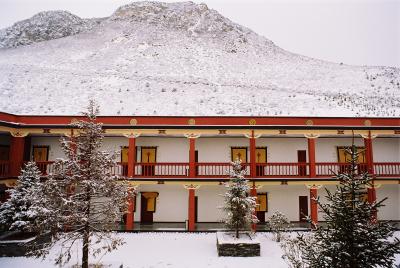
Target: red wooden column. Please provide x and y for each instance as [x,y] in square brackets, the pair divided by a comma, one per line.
[130,216]
[16,155]
[313,204]
[131,156]
[191,206]
[311,155]
[192,157]
[252,140]
[370,166]
[253,193]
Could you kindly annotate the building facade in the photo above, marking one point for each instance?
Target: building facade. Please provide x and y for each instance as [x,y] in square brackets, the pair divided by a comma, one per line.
[178,165]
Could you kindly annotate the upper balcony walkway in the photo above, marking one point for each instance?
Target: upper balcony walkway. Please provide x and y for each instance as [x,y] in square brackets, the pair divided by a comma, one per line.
[222,170]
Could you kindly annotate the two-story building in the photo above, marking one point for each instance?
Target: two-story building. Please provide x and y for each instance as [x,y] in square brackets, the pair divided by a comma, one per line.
[179,164]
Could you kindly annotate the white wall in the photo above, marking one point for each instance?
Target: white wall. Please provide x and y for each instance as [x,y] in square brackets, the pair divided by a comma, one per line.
[219,149]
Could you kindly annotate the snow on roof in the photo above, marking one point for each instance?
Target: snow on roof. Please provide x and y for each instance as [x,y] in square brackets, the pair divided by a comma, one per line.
[151,58]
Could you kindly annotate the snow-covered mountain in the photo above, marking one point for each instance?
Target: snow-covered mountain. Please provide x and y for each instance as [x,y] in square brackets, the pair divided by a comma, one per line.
[151,58]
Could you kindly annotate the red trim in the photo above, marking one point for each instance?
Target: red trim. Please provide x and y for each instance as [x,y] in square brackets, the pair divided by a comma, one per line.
[311,157]
[191,210]
[17,146]
[314,205]
[203,120]
[131,157]
[252,155]
[192,157]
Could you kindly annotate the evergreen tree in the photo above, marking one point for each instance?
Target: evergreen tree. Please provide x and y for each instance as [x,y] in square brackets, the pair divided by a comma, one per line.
[352,237]
[16,213]
[239,205]
[278,223]
[82,200]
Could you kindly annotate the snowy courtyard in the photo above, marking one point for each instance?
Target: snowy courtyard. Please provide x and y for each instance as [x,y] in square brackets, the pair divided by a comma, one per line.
[169,250]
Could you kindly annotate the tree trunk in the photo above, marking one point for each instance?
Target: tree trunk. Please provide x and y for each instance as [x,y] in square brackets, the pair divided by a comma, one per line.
[85,248]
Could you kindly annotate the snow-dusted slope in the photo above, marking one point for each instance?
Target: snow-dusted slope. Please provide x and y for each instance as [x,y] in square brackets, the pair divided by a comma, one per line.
[152,58]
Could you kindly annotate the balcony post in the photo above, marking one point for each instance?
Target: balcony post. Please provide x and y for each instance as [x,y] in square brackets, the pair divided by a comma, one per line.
[192,154]
[131,156]
[311,154]
[130,216]
[16,154]
[191,206]
[253,193]
[252,140]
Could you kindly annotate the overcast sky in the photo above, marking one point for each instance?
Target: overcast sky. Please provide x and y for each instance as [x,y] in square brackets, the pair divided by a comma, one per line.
[361,32]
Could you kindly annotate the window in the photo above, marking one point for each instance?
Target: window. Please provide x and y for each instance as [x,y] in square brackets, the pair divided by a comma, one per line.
[239,153]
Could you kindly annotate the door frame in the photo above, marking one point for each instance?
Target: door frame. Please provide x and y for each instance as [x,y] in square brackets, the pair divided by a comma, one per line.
[239,147]
[40,146]
[302,218]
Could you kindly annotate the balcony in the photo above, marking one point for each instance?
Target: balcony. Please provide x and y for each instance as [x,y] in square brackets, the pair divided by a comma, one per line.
[222,170]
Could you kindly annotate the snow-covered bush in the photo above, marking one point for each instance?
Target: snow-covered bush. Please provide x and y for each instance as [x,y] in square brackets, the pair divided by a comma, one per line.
[278,223]
[292,253]
[239,205]
[16,213]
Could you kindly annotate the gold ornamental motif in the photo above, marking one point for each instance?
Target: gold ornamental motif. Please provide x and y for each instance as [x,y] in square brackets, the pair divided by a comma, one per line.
[367,123]
[309,122]
[133,122]
[191,121]
[252,122]
[74,120]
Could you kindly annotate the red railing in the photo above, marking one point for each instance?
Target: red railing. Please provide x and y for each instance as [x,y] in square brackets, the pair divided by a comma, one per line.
[46,167]
[277,170]
[387,169]
[329,169]
[161,170]
[4,168]
[222,170]
[217,170]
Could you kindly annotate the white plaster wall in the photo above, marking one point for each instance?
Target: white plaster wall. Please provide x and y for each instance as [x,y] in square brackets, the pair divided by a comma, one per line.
[278,150]
[219,149]
[210,200]
[168,149]
[391,209]
[171,204]
[54,146]
[386,149]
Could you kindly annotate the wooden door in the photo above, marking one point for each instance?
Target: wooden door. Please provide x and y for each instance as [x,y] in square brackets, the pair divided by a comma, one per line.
[303,208]
[147,206]
[41,156]
[302,159]
[124,160]
[262,206]
[148,158]
[239,153]
[261,158]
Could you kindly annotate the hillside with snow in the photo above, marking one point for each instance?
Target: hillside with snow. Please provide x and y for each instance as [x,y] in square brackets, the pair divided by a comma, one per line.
[151,58]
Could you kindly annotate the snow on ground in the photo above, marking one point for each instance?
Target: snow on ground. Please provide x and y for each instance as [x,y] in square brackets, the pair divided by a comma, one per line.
[152,58]
[177,250]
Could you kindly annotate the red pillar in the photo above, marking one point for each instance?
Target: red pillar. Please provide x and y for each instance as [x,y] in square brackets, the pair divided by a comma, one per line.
[311,157]
[131,157]
[253,193]
[130,215]
[192,157]
[369,154]
[252,155]
[314,205]
[191,211]
[16,155]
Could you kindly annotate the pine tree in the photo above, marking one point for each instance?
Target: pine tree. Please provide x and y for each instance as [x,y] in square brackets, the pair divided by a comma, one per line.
[82,200]
[15,213]
[352,237]
[278,223]
[240,207]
